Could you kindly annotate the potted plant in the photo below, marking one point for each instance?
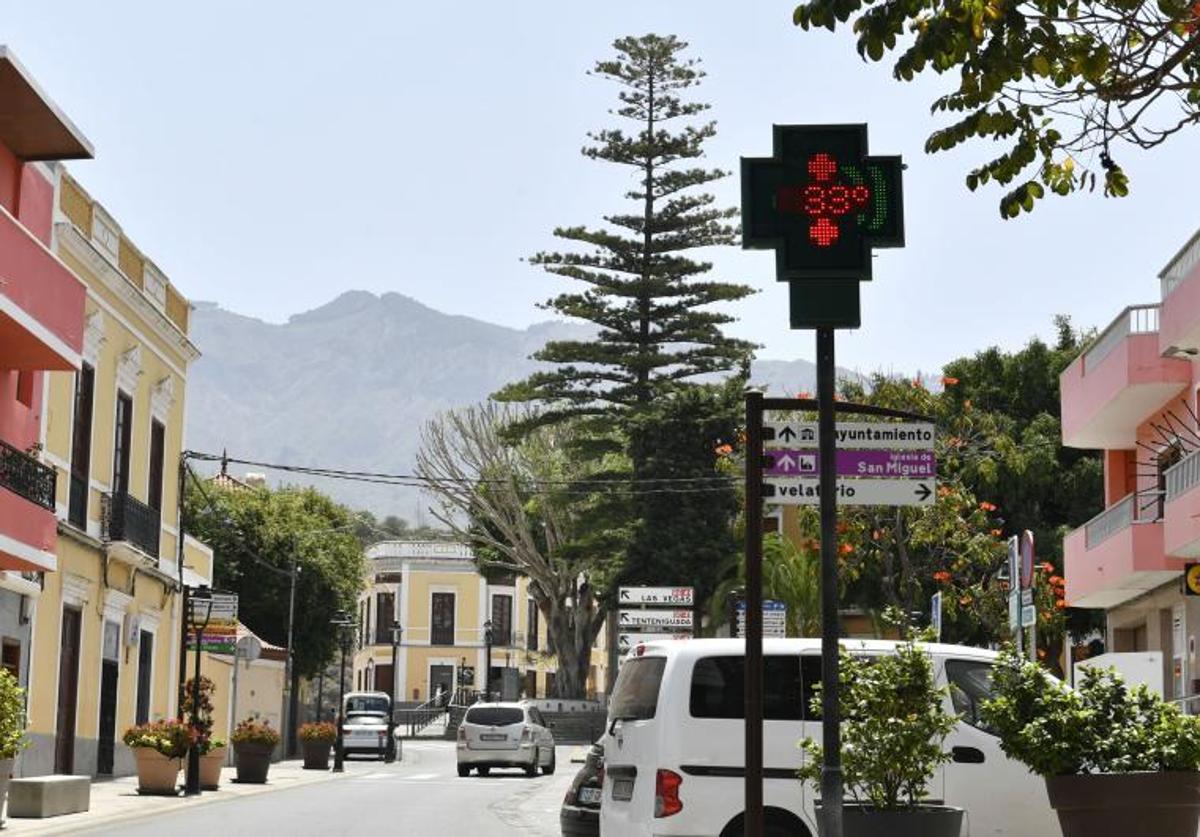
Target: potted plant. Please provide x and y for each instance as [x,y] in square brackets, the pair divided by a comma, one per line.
[253,743]
[894,722]
[316,739]
[212,750]
[1113,757]
[159,748]
[12,730]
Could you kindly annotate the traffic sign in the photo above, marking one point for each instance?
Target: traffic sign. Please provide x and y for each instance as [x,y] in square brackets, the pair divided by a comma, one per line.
[627,641]
[935,615]
[1014,562]
[774,619]
[683,596]
[1014,610]
[1028,616]
[851,435]
[806,491]
[655,618]
[1026,597]
[1026,559]
[908,464]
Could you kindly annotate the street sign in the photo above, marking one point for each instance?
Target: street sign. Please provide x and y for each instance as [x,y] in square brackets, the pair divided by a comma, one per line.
[1014,563]
[1028,616]
[219,636]
[1026,597]
[852,435]
[806,491]
[1026,548]
[655,618]
[909,464]
[935,616]
[774,619]
[1014,611]
[682,596]
[627,641]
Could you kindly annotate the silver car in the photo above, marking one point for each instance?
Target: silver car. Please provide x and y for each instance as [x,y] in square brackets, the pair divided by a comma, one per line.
[504,735]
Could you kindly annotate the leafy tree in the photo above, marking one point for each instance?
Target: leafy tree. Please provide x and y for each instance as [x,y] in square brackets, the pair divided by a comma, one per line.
[1056,81]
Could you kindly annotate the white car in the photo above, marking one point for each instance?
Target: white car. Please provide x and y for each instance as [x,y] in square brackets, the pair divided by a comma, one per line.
[365,724]
[504,735]
[675,743]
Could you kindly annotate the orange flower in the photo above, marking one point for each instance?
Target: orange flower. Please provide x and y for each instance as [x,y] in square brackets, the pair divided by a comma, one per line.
[847,549]
[1046,567]
[965,600]
[1061,604]
[942,577]
[724,450]
[943,491]
[987,507]
[949,381]
[876,535]
[1056,580]
[997,533]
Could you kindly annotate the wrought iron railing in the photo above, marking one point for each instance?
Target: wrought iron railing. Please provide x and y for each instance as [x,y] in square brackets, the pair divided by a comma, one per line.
[1183,476]
[1136,319]
[23,475]
[1139,507]
[129,519]
[77,498]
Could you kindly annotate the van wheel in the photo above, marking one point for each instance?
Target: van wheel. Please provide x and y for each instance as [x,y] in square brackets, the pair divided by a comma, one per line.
[463,771]
[777,822]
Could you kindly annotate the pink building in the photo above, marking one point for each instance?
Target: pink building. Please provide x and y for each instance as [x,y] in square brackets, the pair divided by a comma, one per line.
[41,311]
[1134,395]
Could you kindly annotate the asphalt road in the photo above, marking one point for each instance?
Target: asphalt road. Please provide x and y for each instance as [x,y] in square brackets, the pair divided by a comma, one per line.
[422,795]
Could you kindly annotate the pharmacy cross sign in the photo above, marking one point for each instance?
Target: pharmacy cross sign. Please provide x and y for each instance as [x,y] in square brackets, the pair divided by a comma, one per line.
[822,204]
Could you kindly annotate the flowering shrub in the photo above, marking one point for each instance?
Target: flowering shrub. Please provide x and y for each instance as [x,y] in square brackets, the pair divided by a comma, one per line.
[12,716]
[322,731]
[204,718]
[254,731]
[171,738]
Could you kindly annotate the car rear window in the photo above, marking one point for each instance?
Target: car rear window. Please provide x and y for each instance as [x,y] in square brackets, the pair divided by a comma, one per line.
[719,683]
[367,703]
[366,718]
[494,716]
[635,694]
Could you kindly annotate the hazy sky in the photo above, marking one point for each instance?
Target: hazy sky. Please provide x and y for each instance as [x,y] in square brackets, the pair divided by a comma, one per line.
[271,155]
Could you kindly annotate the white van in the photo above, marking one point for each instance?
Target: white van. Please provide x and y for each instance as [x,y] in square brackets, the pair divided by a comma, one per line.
[675,745]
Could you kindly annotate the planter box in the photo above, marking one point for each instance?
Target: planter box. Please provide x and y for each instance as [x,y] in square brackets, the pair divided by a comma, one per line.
[316,754]
[6,766]
[158,775]
[921,821]
[1123,804]
[252,761]
[210,768]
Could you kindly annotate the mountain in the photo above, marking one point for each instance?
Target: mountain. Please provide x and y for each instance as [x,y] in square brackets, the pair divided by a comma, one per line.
[349,385]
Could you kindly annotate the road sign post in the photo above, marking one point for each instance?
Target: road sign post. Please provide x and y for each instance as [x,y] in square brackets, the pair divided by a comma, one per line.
[822,204]
[935,615]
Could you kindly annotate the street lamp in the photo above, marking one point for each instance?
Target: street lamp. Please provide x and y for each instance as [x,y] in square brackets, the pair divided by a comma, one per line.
[487,660]
[342,622]
[199,611]
[397,630]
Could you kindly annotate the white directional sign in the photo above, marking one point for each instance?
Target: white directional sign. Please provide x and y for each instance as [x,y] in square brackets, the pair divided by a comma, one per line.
[774,619]
[806,491]
[655,618]
[627,641]
[851,435]
[679,596]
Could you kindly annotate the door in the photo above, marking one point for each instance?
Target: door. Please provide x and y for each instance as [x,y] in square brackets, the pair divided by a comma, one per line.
[106,744]
[68,692]
[441,677]
[145,665]
[1002,797]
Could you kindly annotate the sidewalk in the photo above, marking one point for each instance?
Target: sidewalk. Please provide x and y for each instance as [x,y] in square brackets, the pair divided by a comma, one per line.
[116,800]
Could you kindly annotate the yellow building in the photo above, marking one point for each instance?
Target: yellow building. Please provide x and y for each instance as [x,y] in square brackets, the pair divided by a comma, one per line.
[107,622]
[442,602]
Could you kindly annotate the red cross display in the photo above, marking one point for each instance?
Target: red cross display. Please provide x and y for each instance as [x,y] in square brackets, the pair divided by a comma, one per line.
[823,200]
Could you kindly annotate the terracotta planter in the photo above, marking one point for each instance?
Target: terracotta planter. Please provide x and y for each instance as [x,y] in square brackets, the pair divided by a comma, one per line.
[1127,804]
[210,768]
[921,821]
[316,754]
[252,761]
[157,774]
[6,766]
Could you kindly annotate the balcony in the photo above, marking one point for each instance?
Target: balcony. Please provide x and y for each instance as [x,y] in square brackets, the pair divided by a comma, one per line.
[126,519]
[1118,555]
[28,530]
[1119,382]
[1180,282]
[1181,518]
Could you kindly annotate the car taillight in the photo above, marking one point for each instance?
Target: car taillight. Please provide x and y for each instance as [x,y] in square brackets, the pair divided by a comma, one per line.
[600,775]
[462,734]
[526,734]
[666,793]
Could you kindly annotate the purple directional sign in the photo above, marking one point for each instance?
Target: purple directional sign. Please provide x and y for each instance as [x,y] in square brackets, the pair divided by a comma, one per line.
[896,464]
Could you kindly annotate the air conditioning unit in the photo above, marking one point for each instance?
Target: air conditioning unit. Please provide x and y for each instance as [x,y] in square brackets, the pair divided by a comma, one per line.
[133,629]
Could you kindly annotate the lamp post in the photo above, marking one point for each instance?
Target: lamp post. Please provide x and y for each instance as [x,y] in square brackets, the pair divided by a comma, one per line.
[487,660]
[200,610]
[397,630]
[342,622]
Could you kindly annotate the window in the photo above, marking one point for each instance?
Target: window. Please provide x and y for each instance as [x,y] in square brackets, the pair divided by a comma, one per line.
[154,491]
[25,387]
[81,446]
[145,663]
[10,657]
[718,688]
[532,626]
[502,621]
[385,614]
[494,716]
[441,619]
[635,694]
[970,686]
[121,441]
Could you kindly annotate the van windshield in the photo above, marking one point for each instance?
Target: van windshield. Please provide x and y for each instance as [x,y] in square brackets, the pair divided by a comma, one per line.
[367,703]
[635,694]
[494,716]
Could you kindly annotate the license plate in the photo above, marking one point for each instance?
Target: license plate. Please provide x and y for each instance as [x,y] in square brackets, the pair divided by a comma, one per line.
[622,789]
[490,737]
[591,796]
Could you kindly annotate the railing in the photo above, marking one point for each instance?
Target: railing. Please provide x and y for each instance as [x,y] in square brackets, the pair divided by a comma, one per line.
[1139,507]
[1183,476]
[127,519]
[1136,319]
[23,475]
[1180,266]
[77,497]
[422,716]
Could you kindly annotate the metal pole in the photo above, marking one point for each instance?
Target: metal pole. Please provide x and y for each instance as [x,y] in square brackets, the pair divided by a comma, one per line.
[233,699]
[391,745]
[338,755]
[192,782]
[831,733]
[289,725]
[754,663]
[487,660]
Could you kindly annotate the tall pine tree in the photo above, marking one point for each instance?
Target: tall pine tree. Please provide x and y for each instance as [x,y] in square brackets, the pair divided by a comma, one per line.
[657,325]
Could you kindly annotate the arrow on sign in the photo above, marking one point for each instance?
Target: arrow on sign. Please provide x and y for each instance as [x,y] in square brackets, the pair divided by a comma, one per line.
[786,463]
[624,595]
[923,492]
[787,434]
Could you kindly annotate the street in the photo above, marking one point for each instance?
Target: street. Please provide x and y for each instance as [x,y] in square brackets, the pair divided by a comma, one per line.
[422,795]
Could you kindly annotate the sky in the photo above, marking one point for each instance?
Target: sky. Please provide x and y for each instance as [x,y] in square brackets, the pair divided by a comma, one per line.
[269,156]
